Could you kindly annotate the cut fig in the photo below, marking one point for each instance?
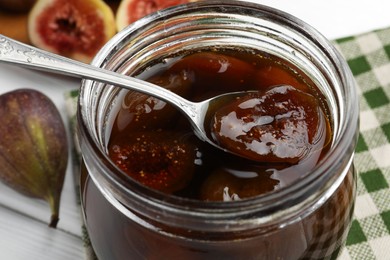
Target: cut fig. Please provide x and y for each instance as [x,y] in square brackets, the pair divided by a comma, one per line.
[72,28]
[130,11]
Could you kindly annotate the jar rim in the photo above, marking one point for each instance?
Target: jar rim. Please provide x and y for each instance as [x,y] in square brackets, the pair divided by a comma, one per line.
[281,197]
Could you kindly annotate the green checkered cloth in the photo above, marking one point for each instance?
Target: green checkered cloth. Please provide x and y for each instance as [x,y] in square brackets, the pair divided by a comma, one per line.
[368,56]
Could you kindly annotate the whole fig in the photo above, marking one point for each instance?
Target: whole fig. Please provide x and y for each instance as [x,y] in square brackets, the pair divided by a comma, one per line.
[33,147]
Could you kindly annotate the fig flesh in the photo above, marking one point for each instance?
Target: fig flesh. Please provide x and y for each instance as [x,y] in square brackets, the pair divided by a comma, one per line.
[130,11]
[33,147]
[72,28]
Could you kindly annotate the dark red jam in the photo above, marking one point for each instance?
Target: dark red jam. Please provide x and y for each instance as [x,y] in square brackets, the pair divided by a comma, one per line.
[289,126]
[283,129]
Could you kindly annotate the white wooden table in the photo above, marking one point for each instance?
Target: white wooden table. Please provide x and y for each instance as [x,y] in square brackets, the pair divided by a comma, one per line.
[23,222]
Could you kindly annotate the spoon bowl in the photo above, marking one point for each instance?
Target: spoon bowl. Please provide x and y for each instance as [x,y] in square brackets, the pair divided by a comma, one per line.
[199,114]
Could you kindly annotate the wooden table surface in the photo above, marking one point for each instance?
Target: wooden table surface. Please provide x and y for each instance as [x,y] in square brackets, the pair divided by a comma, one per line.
[14,26]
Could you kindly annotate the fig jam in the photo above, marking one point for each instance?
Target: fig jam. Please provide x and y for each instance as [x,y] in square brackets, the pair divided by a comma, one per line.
[154,145]
[152,190]
[289,125]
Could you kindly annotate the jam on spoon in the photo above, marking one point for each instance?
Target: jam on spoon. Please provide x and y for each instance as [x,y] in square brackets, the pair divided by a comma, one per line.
[277,111]
[283,124]
[43,60]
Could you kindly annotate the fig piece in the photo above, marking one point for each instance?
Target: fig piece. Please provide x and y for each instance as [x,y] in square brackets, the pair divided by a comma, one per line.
[272,75]
[163,161]
[33,147]
[130,11]
[235,182]
[281,125]
[72,28]
[143,112]
[215,72]
[17,5]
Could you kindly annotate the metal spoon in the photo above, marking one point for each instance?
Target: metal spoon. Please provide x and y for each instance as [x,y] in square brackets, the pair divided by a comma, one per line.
[198,113]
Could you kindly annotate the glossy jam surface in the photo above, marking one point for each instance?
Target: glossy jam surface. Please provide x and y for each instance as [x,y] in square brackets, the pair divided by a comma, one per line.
[283,128]
[283,124]
[154,145]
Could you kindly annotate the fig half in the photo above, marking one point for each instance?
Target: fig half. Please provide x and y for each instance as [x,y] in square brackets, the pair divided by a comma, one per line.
[72,28]
[33,147]
[130,11]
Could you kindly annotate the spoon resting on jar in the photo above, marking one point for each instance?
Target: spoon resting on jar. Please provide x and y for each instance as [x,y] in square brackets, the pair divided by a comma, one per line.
[260,126]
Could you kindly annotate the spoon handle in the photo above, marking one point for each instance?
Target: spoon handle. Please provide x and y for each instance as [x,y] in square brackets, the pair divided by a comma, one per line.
[12,51]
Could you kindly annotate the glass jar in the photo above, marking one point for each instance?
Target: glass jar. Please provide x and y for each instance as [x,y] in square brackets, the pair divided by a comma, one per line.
[308,219]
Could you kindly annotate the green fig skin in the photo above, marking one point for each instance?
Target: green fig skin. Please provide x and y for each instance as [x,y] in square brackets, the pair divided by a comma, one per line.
[33,147]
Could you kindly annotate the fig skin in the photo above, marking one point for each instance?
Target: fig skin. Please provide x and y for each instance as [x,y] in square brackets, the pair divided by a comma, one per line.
[130,11]
[33,147]
[74,29]
[162,160]
[17,5]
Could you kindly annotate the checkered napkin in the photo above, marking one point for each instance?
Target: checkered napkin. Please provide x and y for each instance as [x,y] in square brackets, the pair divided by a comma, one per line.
[368,56]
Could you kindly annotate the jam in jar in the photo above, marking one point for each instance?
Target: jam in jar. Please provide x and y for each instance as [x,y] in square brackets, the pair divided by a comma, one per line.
[152,190]
[283,128]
